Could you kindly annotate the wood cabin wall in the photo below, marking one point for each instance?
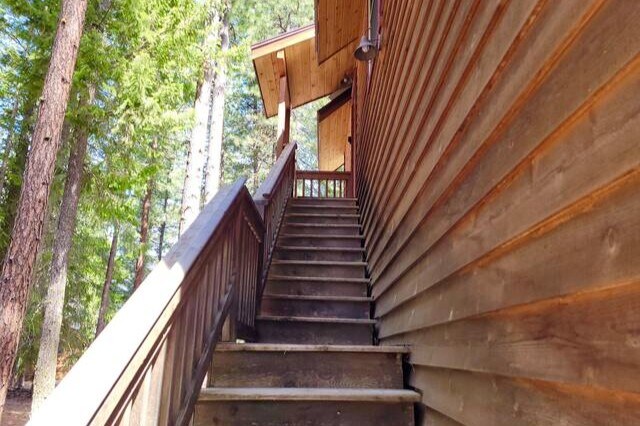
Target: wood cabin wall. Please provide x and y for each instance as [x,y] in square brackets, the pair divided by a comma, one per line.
[499,179]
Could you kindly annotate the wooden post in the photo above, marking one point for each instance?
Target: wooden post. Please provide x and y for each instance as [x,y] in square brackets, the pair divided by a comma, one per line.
[284,104]
[347,155]
[353,145]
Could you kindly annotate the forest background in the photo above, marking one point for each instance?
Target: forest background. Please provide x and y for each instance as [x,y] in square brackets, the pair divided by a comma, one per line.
[140,65]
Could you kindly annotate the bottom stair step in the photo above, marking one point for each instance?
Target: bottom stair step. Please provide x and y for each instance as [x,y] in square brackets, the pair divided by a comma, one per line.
[306,366]
[322,331]
[302,406]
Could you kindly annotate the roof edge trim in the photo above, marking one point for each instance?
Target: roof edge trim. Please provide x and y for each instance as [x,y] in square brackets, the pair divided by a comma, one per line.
[282,41]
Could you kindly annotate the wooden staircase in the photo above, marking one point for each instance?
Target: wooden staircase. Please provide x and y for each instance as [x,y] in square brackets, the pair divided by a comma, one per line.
[314,362]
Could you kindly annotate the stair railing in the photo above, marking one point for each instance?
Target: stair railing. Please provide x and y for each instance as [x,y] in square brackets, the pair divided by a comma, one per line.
[317,184]
[148,365]
[271,198]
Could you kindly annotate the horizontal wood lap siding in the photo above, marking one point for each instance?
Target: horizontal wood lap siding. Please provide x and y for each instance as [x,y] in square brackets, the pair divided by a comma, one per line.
[499,181]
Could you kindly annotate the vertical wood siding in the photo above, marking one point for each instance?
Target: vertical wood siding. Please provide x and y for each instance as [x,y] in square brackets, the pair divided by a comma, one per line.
[498,172]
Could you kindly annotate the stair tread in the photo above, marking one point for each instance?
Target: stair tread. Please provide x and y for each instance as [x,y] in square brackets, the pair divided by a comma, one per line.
[331,215]
[286,347]
[312,248]
[353,237]
[294,199]
[318,298]
[323,225]
[317,262]
[325,206]
[314,279]
[323,320]
[308,394]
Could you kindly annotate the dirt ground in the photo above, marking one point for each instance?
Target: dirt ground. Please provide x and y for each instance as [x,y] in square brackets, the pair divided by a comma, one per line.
[16,409]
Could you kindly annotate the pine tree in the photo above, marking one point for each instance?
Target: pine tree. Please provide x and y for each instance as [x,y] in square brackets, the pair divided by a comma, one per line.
[213,172]
[197,152]
[106,288]
[45,375]
[18,265]
[145,211]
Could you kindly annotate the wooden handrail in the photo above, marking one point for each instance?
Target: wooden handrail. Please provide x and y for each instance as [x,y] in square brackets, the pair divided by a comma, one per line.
[148,364]
[322,175]
[271,198]
[312,183]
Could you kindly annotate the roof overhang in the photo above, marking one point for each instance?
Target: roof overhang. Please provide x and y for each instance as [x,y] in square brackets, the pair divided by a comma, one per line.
[338,24]
[308,80]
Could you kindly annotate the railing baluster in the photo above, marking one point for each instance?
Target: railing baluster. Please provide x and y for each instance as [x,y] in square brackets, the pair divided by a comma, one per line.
[178,367]
[157,375]
[139,406]
[322,184]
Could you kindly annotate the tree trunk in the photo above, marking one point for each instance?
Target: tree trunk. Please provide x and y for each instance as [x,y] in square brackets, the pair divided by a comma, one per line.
[214,162]
[45,376]
[192,189]
[106,288]
[196,159]
[8,146]
[17,268]
[144,235]
[17,166]
[163,226]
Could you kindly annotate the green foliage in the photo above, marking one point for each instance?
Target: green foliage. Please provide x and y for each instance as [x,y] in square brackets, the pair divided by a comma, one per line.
[144,59]
[250,137]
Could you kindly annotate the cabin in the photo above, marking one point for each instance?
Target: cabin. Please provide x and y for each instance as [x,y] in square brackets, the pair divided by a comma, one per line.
[466,254]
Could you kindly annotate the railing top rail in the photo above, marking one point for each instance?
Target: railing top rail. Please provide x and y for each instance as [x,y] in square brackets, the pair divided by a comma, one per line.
[320,174]
[264,192]
[128,339]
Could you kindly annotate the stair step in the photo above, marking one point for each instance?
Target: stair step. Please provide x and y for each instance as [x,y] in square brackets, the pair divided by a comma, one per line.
[333,269]
[322,215]
[323,198]
[321,228]
[319,298]
[318,205]
[316,306]
[321,209]
[310,330]
[325,201]
[317,279]
[309,394]
[343,254]
[274,347]
[323,236]
[319,263]
[359,321]
[307,366]
[316,286]
[305,407]
[336,218]
[320,240]
[324,225]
